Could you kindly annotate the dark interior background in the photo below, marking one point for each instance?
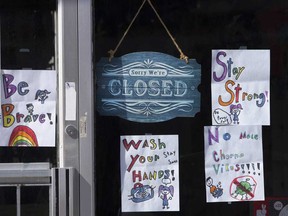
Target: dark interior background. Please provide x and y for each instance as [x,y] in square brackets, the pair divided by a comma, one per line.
[198,27]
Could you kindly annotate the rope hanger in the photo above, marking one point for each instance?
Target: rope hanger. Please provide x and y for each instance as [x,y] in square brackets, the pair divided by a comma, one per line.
[112,52]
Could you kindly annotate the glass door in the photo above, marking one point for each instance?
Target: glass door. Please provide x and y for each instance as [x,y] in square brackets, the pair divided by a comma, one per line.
[199,27]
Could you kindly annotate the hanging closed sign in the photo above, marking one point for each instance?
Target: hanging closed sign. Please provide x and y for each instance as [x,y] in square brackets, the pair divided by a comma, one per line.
[148,87]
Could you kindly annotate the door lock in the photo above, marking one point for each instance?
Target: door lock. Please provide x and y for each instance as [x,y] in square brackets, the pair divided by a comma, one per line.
[71,131]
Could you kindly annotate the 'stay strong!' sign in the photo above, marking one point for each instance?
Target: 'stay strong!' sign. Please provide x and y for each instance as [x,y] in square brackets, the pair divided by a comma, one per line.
[148,87]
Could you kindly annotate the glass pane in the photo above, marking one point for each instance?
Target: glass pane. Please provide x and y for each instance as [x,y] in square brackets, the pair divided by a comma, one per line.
[28,42]
[35,201]
[27,34]
[8,201]
[198,27]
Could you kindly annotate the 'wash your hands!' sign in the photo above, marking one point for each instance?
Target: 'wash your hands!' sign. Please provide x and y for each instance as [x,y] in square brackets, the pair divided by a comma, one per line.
[150,173]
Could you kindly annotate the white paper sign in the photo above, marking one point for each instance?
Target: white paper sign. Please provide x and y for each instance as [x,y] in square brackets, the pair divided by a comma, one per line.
[149,173]
[70,101]
[28,107]
[240,87]
[233,163]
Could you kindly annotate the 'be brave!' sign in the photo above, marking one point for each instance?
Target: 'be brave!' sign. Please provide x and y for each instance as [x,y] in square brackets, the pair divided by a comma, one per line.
[148,87]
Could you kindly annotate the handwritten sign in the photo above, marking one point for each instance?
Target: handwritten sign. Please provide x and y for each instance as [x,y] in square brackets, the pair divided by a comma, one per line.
[233,163]
[149,173]
[28,106]
[148,87]
[240,87]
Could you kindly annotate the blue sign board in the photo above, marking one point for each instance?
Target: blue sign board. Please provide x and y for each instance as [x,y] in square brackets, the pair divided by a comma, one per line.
[148,87]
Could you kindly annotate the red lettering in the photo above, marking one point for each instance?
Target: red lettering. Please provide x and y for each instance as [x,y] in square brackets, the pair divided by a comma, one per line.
[132,162]
[132,142]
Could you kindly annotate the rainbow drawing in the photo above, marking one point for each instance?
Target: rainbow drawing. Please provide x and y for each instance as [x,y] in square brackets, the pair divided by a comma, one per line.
[23,136]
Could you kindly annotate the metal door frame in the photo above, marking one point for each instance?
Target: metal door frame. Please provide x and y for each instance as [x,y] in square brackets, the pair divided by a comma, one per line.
[76,136]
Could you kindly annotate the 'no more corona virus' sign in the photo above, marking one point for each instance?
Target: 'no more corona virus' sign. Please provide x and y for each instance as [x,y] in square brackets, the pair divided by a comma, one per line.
[148,87]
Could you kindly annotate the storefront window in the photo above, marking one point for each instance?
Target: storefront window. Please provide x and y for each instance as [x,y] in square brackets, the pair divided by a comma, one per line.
[28,43]
[27,35]
[198,27]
